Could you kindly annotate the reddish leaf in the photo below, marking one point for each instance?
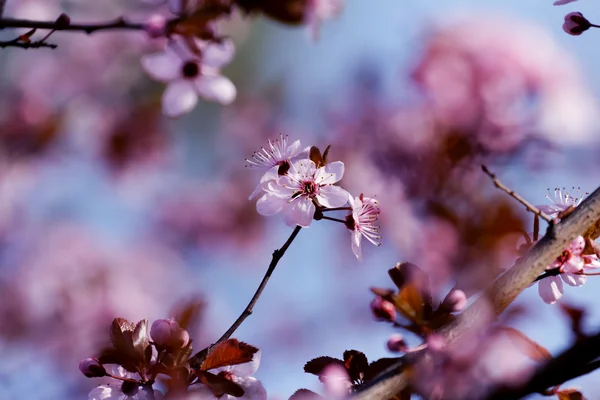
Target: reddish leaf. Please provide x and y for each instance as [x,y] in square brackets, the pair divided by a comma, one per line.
[315,156]
[408,273]
[410,303]
[117,328]
[229,352]
[140,336]
[317,365]
[528,346]
[305,394]
[219,385]
[356,364]
[570,394]
[385,293]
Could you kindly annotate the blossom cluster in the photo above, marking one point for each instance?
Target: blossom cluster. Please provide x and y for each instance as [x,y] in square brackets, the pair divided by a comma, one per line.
[195,52]
[139,358]
[300,183]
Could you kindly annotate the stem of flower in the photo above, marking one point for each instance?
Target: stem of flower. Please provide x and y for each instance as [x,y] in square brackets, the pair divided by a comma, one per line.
[516,196]
[337,209]
[197,359]
[334,219]
[119,23]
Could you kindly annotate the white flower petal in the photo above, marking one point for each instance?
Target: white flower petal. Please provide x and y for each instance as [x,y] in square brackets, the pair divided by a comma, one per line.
[216,88]
[216,55]
[163,67]
[355,241]
[247,369]
[257,191]
[332,196]
[293,149]
[574,279]
[299,212]
[550,289]
[330,174]
[269,204]
[105,393]
[253,389]
[179,98]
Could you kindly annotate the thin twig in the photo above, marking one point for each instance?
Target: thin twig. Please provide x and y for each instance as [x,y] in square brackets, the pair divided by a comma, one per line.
[530,207]
[333,219]
[119,23]
[337,209]
[503,291]
[24,45]
[196,360]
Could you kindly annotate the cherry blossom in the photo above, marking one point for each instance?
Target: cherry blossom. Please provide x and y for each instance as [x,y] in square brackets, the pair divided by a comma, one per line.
[124,389]
[575,23]
[559,202]
[297,193]
[242,375]
[365,213]
[190,75]
[569,267]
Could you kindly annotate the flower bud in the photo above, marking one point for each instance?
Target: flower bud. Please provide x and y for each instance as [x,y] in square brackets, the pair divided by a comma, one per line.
[436,343]
[63,21]
[156,26]
[167,333]
[455,300]
[92,368]
[383,309]
[576,23]
[396,343]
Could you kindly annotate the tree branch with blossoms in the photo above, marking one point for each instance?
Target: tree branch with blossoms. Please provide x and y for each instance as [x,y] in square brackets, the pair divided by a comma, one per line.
[502,292]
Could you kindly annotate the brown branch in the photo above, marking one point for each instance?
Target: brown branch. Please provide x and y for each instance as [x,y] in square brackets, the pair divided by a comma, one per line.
[196,360]
[506,288]
[516,196]
[119,23]
[24,45]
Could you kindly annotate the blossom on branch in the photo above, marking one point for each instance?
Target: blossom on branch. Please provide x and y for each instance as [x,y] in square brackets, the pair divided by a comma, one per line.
[191,69]
[127,388]
[362,222]
[304,187]
[559,202]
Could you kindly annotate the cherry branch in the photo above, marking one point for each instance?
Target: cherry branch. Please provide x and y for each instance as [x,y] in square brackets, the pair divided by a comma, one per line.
[503,291]
[61,25]
[196,360]
[26,45]
[516,196]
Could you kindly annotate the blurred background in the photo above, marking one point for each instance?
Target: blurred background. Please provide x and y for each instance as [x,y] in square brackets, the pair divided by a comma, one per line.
[109,209]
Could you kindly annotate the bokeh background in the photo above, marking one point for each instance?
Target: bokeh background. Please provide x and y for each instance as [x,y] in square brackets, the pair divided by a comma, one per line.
[109,209]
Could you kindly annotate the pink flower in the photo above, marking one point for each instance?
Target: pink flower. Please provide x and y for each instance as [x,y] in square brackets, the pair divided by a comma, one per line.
[278,153]
[455,300]
[336,380]
[296,193]
[125,390]
[190,75]
[575,23]
[320,10]
[559,202]
[365,213]
[570,266]
[563,2]
[242,375]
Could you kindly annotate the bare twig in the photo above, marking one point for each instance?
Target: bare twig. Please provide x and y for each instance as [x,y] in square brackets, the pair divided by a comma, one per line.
[506,288]
[196,360]
[530,207]
[26,45]
[119,23]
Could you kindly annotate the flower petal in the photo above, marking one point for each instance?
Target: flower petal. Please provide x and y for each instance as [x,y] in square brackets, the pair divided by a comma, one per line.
[253,389]
[163,67]
[269,204]
[247,369]
[216,88]
[355,240]
[104,393]
[332,196]
[216,55]
[299,212]
[574,279]
[179,98]
[293,149]
[550,289]
[330,174]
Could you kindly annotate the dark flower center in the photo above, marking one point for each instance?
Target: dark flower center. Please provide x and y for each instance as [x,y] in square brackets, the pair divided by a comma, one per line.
[190,69]
[284,167]
[564,257]
[129,388]
[309,188]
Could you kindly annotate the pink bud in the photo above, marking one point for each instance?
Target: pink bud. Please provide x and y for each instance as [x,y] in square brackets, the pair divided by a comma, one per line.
[167,333]
[336,380]
[156,26]
[383,309]
[576,23]
[92,368]
[455,301]
[436,343]
[397,344]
